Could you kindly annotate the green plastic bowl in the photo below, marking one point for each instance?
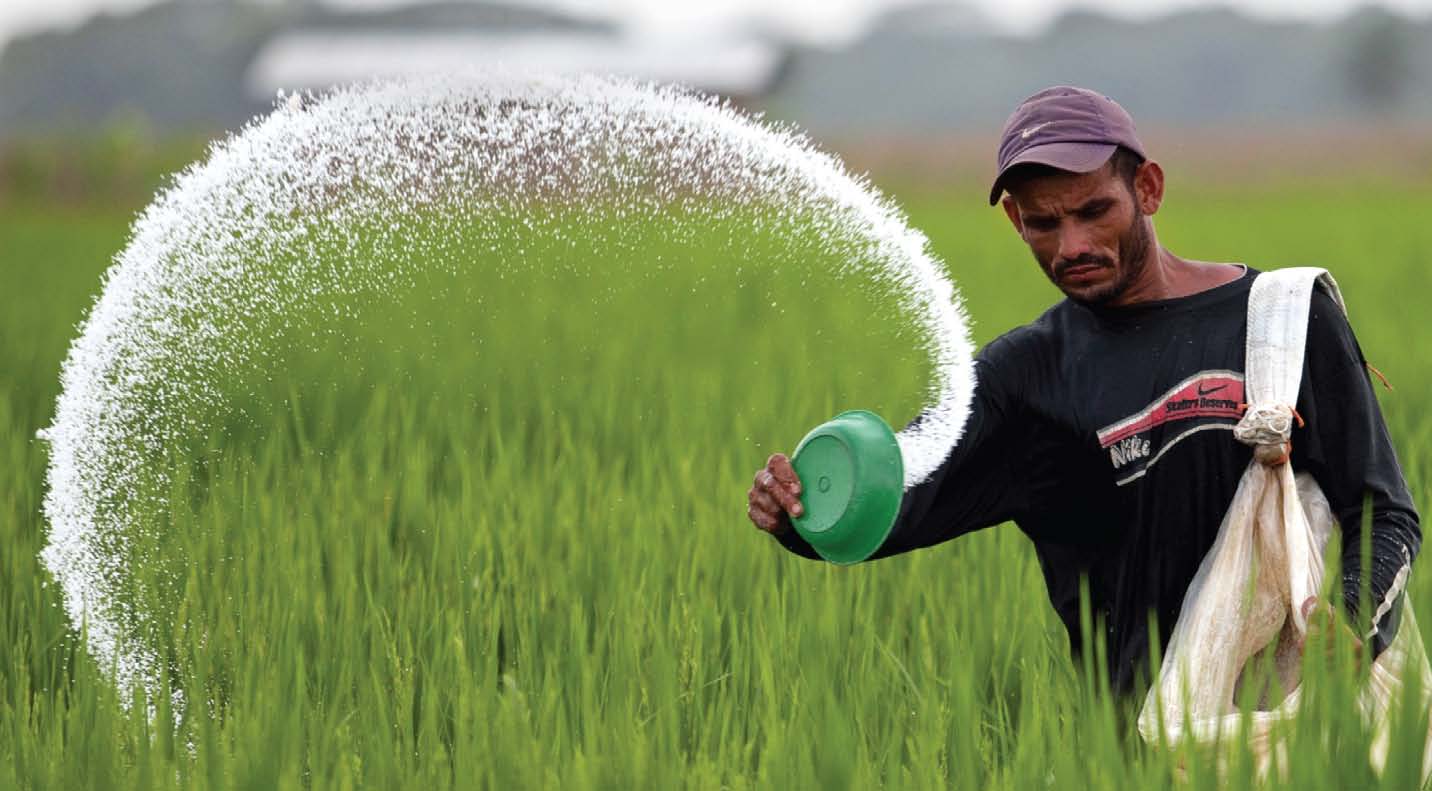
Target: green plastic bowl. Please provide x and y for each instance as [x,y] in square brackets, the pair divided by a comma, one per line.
[852,480]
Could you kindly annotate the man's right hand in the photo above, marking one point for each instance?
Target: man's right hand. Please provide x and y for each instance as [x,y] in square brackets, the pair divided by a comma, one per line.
[775,496]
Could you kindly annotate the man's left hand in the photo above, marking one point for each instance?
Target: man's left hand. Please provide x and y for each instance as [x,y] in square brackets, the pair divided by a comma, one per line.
[1337,637]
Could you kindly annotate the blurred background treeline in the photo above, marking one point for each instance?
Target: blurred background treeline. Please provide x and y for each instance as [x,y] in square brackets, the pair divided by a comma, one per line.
[99,111]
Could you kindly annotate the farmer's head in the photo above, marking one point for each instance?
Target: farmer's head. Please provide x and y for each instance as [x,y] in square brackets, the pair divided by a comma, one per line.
[1080,190]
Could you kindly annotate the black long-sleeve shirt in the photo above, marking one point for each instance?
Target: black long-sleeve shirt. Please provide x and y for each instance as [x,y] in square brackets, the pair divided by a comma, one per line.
[1105,434]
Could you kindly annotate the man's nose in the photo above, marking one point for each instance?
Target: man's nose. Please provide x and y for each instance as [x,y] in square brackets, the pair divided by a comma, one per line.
[1074,241]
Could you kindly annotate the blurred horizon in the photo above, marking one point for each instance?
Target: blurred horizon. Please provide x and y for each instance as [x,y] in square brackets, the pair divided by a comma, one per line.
[918,92]
[832,22]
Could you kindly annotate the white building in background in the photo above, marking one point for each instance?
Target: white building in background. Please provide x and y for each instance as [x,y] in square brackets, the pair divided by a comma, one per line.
[311,60]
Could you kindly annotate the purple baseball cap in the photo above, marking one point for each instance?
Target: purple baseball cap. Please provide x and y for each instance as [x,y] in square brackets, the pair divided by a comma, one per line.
[1064,127]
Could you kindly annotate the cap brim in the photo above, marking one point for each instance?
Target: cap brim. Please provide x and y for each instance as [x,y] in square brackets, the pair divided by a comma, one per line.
[1073,157]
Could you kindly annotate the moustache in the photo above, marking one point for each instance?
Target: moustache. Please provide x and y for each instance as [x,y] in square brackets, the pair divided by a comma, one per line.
[1060,267]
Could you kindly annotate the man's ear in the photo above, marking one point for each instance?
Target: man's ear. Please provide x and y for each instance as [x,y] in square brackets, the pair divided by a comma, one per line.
[1012,211]
[1149,186]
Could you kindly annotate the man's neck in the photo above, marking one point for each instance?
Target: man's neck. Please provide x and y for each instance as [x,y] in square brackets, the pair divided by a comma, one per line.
[1168,276]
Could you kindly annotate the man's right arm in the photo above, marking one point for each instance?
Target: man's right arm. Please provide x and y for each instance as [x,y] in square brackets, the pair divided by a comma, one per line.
[980,484]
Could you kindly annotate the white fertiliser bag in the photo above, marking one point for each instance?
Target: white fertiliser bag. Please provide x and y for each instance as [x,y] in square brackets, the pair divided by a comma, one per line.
[1267,559]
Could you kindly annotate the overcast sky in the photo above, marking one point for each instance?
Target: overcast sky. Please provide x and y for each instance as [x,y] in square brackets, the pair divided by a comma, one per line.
[812,20]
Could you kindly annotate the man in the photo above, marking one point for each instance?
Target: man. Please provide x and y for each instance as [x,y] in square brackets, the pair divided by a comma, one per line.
[1103,429]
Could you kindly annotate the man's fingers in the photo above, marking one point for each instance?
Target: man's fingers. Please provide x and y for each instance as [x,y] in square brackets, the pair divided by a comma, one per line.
[774,493]
[764,511]
[762,519]
[1321,619]
[789,490]
[781,468]
[768,482]
[765,502]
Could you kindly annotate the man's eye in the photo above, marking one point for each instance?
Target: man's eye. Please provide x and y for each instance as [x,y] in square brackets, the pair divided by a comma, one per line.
[1093,213]
[1040,225]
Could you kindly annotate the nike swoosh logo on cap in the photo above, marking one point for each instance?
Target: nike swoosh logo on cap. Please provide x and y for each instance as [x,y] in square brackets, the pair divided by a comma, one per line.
[1029,131]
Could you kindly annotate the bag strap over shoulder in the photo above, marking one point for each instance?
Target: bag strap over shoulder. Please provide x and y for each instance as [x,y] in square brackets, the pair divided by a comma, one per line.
[1278,331]
[1278,305]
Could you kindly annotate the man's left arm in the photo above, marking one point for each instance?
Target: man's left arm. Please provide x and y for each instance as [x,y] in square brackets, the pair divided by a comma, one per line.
[1346,447]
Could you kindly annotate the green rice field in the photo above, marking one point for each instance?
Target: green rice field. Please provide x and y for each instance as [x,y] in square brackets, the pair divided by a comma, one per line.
[507,547]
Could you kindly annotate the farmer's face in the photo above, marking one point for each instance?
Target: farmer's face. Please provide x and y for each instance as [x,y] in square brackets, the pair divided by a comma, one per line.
[1090,232]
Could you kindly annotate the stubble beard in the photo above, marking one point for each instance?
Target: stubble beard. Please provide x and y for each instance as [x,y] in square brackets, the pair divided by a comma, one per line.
[1133,257]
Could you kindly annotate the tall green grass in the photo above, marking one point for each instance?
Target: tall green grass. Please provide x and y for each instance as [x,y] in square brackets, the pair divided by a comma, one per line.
[507,547]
